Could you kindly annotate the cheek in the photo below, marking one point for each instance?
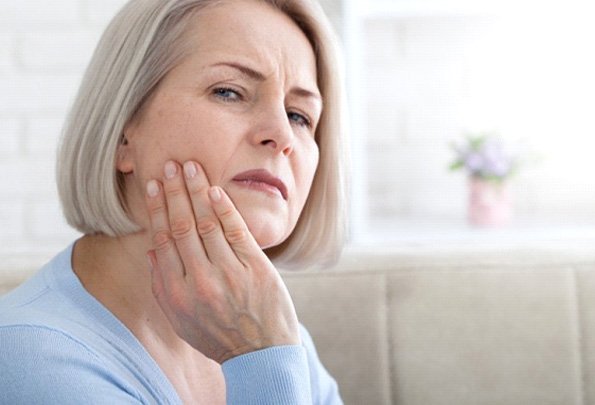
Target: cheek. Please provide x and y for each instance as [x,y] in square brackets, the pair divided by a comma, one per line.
[181,135]
[154,153]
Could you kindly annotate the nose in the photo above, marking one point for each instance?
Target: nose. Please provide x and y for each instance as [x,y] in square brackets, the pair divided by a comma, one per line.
[274,130]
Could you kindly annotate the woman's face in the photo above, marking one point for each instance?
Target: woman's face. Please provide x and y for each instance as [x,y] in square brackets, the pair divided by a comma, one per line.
[246,98]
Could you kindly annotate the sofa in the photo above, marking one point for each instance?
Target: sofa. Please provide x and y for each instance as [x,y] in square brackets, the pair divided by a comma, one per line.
[450,325]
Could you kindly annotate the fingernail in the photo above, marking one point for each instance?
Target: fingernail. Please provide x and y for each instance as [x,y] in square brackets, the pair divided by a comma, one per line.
[170,170]
[215,194]
[152,188]
[189,170]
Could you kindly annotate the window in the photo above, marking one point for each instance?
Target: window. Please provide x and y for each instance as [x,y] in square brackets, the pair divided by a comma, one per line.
[421,73]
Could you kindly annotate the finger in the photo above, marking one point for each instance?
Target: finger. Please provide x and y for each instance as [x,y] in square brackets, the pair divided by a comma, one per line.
[181,218]
[160,292]
[165,249]
[209,228]
[235,229]
[157,285]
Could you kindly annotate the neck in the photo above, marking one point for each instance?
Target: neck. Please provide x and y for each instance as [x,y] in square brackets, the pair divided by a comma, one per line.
[116,272]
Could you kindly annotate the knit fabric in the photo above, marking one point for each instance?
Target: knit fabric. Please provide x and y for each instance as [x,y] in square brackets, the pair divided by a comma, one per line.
[59,345]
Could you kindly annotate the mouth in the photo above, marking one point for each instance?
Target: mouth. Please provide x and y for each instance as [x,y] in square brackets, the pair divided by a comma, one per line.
[262,180]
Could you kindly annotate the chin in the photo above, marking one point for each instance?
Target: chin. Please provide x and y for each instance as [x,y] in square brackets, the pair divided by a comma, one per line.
[267,220]
[268,230]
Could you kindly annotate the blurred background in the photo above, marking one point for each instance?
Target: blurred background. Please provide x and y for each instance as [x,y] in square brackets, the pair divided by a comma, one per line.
[421,75]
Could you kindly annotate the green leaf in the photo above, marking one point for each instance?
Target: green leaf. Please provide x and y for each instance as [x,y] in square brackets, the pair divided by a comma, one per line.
[456,165]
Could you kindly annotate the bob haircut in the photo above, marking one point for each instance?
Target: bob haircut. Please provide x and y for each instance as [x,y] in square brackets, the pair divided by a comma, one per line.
[144,41]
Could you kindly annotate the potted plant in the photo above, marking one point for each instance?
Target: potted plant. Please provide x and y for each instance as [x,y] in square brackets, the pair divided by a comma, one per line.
[489,166]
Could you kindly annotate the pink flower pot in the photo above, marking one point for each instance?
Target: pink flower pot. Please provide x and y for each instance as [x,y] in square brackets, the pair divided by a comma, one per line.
[490,203]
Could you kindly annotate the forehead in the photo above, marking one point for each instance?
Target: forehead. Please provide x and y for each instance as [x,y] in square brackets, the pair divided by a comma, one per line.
[252,31]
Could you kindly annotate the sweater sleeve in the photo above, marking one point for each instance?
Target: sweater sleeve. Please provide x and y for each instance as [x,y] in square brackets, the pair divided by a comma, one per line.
[41,365]
[280,375]
[276,375]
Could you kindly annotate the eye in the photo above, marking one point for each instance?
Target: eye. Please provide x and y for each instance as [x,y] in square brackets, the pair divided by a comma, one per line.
[227,94]
[299,119]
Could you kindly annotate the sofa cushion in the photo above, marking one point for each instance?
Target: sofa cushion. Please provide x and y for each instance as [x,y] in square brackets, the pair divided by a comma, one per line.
[586,320]
[467,336]
[346,314]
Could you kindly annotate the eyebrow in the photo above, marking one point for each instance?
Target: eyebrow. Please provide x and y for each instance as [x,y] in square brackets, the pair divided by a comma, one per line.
[259,77]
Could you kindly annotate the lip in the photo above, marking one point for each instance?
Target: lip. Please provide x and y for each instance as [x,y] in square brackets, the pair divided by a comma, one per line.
[261,179]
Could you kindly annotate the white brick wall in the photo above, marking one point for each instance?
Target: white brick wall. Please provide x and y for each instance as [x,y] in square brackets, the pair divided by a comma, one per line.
[42,134]
[11,131]
[12,220]
[56,52]
[7,50]
[44,49]
[34,15]
[99,13]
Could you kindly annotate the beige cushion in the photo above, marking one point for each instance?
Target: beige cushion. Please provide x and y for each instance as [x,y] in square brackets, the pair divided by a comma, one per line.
[346,314]
[585,282]
[493,334]
[467,337]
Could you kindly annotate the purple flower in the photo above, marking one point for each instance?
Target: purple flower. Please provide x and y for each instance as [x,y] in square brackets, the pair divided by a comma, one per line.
[474,162]
[484,156]
[495,160]
[497,167]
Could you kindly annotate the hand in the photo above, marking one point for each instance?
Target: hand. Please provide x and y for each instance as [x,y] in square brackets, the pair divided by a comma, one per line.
[214,283]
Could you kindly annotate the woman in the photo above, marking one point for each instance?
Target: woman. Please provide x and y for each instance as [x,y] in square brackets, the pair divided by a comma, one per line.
[205,138]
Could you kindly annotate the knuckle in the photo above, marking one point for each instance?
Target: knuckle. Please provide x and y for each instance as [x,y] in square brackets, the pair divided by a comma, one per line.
[181,228]
[197,190]
[161,240]
[206,226]
[175,190]
[156,210]
[236,236]
[227,214]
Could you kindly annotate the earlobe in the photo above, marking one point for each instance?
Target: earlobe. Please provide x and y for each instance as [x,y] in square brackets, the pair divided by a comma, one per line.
[124,163]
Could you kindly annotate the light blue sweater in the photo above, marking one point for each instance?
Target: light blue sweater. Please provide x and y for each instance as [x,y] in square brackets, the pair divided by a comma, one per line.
[59,345]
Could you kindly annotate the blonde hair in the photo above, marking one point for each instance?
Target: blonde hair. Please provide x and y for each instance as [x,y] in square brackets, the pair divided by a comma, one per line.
[139,47]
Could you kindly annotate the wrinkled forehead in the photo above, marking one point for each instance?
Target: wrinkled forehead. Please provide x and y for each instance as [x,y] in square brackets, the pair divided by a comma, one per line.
[253,31]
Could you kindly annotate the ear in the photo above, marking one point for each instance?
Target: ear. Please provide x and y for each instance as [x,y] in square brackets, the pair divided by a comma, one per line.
[124,156]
